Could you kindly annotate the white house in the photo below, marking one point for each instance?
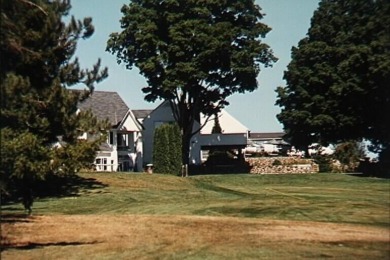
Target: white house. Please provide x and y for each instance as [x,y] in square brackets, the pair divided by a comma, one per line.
[234,134]
[123,149]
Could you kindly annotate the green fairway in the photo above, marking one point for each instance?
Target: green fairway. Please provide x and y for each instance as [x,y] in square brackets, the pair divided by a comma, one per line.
[318,197]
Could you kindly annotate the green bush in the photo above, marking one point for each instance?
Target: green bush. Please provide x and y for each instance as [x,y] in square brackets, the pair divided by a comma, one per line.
[167,149]
[276,162]
[324,163]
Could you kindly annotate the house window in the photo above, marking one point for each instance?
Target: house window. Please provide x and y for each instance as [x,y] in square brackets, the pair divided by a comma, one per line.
[105,164]
[111,138]
[122,140]
[101,164]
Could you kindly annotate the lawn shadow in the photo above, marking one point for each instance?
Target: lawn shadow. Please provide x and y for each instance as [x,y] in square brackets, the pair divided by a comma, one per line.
[15,217]
[234,168]
[30,246]
[54,187]
[66,186]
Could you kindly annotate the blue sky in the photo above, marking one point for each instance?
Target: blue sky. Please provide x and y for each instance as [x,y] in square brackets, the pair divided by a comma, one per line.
[289,20]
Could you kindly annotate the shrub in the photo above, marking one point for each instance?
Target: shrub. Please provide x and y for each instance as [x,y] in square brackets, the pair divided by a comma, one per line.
[276,162]
[324,163]
[167,149]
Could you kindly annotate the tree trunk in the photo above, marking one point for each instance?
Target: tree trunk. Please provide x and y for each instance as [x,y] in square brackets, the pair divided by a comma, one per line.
[185,149]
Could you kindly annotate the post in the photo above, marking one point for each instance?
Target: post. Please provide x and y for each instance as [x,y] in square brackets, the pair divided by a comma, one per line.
[184,170]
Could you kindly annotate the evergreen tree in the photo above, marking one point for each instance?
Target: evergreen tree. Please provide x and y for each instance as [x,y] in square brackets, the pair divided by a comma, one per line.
[174,149]
[161,149]
[217,129]
[167,149]
[338,80]
[195,54]
[40,126]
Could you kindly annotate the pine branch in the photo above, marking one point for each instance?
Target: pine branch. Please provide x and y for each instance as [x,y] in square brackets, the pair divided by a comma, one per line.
[35,5]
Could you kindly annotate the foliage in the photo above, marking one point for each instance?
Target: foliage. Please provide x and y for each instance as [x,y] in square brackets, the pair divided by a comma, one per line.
[349,154]
[337,82]
[276,162]
[217,129]
[194,53]
[324,162]
[40,126]
[167,149]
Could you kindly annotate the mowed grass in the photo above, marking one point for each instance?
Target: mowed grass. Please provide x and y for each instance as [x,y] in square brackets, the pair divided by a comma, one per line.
[221,216]
[320,197]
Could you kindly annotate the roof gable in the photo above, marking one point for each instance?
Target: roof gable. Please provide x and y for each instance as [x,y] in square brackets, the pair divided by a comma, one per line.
[141,113]
[228,123]
[106,105]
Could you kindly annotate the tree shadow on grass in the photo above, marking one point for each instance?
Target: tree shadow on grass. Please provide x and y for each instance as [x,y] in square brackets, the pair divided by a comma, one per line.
[54,187]
[30,246]
[15,217]
[204,169]
[71,186]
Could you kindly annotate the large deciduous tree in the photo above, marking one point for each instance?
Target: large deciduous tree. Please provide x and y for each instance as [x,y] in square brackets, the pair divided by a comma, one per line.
[338,80]
[193,53]
[40,126]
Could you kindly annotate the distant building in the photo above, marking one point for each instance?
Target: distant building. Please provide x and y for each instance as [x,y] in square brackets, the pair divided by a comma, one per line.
[123,149]
[271,143]
[234,134]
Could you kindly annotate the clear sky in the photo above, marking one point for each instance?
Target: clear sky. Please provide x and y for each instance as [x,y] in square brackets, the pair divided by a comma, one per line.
[289,20]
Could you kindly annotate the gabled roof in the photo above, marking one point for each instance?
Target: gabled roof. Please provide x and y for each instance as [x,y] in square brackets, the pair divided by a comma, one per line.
[106,105]
[141,113]
[228,123]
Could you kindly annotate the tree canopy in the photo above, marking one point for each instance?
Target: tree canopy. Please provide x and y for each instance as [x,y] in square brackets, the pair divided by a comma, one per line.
[338,79]
[40,124]
[193,53]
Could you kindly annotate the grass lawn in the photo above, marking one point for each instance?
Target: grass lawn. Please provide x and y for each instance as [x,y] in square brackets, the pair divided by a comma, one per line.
[140,216]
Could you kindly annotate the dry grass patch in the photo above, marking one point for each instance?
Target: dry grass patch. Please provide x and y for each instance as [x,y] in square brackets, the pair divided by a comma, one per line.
[189,237]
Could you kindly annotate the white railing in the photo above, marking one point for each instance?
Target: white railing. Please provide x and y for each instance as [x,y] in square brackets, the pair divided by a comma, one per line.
[106,167]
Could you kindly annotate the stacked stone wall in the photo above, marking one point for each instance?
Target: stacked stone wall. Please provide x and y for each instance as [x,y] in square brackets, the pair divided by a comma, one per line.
[281,165]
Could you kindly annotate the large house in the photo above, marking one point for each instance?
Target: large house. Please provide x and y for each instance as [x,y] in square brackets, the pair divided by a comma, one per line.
[129,145]
[234,135]
[123,149]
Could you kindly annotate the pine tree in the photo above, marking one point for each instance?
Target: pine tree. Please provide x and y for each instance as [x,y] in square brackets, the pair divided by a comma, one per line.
[161,150]
[167,149]
[38,112]
[174,149]
[217,129]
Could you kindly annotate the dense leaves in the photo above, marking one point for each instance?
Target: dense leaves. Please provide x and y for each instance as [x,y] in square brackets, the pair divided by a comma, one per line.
[40,124]
[167,149]
[349,154]
[193,53]
[338,80]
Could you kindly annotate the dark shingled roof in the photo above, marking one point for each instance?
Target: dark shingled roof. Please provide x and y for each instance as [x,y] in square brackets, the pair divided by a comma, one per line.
[106,105]
[141,113]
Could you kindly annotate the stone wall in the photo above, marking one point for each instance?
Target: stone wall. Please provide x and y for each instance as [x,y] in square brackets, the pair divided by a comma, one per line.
[281,165]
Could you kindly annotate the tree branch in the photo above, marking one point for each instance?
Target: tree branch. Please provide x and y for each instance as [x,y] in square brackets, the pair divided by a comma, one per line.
[35,5]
